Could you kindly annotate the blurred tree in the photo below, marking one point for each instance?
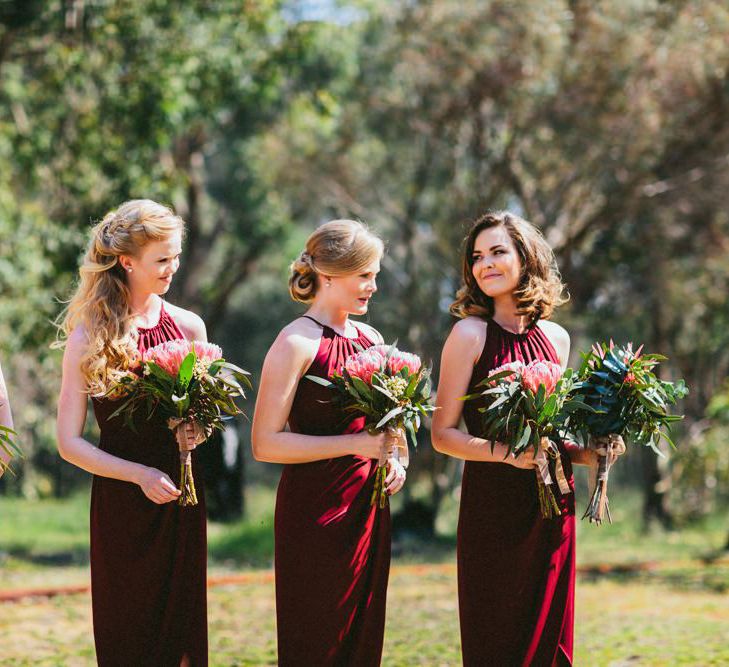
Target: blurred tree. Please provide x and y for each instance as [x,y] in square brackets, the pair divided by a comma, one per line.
[102,102]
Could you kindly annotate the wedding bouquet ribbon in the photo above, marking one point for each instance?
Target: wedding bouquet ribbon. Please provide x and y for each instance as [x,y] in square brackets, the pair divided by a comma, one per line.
[607,448]
[547,450]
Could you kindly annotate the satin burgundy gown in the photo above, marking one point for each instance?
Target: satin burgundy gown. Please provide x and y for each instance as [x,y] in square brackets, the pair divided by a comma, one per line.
[148,561]
[516,570]
[332,547]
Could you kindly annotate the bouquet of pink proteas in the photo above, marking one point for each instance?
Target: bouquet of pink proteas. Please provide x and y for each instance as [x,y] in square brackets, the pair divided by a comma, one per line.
[391,389]
[523,407]
[182,381]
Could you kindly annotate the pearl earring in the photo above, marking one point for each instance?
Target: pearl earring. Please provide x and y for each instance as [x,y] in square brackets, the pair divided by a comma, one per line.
[129,270]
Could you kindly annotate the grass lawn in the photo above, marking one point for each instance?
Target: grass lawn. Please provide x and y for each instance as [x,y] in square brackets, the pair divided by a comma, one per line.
[676,612]
[643,624]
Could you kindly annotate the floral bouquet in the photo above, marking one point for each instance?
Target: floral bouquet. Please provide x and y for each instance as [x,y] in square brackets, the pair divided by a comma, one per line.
[524,408]
[182,381]
[8,445]
[391,389]
[619,395]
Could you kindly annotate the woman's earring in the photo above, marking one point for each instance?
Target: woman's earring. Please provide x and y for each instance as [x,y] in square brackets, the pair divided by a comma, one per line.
[129,270]
[329,283]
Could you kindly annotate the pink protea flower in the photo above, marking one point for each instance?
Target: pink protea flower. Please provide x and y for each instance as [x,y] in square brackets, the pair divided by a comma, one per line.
[400,360]
[208,352]
[170,355]
[363,365]
[515,367]
[541,372]
[382,350]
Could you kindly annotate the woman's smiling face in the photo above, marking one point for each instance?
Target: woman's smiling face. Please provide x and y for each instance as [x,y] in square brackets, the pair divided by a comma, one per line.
[495,262]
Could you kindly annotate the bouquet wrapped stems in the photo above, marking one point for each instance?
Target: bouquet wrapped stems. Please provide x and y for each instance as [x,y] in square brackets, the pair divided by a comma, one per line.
[608,448]
[547,500]
[379,494]
[188,494]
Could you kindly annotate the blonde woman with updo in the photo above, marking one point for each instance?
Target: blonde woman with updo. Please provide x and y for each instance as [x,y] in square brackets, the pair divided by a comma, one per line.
[332,546]
[148,554]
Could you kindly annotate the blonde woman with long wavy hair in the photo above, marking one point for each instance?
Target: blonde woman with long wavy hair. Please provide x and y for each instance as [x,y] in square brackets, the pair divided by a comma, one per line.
[516,570]
[148,555]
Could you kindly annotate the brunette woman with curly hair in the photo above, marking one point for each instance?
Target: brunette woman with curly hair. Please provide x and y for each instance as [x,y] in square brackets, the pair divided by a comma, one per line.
[516,570]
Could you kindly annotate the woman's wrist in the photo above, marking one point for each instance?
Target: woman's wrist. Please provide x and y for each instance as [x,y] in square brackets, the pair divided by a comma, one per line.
[495,451]
[137,473]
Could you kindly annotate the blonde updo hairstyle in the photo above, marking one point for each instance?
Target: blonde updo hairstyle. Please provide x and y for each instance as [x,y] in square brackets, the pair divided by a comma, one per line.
[336,248]
[101,303]
[540,288]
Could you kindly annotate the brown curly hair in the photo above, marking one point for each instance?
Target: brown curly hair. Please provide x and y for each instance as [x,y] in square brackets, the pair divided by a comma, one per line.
[540,288]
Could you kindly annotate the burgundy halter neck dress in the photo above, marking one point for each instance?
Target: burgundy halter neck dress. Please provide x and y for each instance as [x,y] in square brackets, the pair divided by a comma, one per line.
[516,570]
[148,561]
[332,547]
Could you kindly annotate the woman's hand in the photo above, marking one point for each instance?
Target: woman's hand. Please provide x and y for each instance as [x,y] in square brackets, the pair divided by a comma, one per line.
[189,434]
[371,445]
[612,446]
[525,460]
[157,486]
[396,475]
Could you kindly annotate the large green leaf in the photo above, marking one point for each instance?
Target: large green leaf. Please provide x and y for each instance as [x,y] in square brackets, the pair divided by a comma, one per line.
[393,413]
[184,375]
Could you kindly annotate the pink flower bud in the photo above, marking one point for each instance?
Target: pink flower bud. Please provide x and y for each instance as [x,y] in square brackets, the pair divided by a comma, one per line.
[537,373]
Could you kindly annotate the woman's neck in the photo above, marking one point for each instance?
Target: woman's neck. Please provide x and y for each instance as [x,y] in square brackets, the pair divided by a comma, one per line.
[333,317]
[145,307]
[506,316]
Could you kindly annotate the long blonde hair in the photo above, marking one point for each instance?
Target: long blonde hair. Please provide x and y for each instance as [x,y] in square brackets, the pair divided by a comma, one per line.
[336,248]
[101,303]
[540,288]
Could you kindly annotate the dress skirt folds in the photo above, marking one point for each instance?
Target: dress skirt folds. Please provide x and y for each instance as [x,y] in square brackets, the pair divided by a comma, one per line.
[332,547]
[148,561]
[516,570]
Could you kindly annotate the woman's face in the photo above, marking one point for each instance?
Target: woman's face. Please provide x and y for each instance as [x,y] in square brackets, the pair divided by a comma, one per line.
[351,292]
[495,262]
[152,269]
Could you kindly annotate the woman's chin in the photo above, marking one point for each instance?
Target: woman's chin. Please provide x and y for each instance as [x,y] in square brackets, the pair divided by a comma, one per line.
[495,291]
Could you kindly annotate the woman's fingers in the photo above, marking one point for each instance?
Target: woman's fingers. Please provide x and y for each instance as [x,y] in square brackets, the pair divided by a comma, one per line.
[396,485]
[395,478]
[168,487]
[390,476]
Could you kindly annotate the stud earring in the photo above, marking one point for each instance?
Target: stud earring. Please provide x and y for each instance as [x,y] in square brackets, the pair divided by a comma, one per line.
[129,270]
